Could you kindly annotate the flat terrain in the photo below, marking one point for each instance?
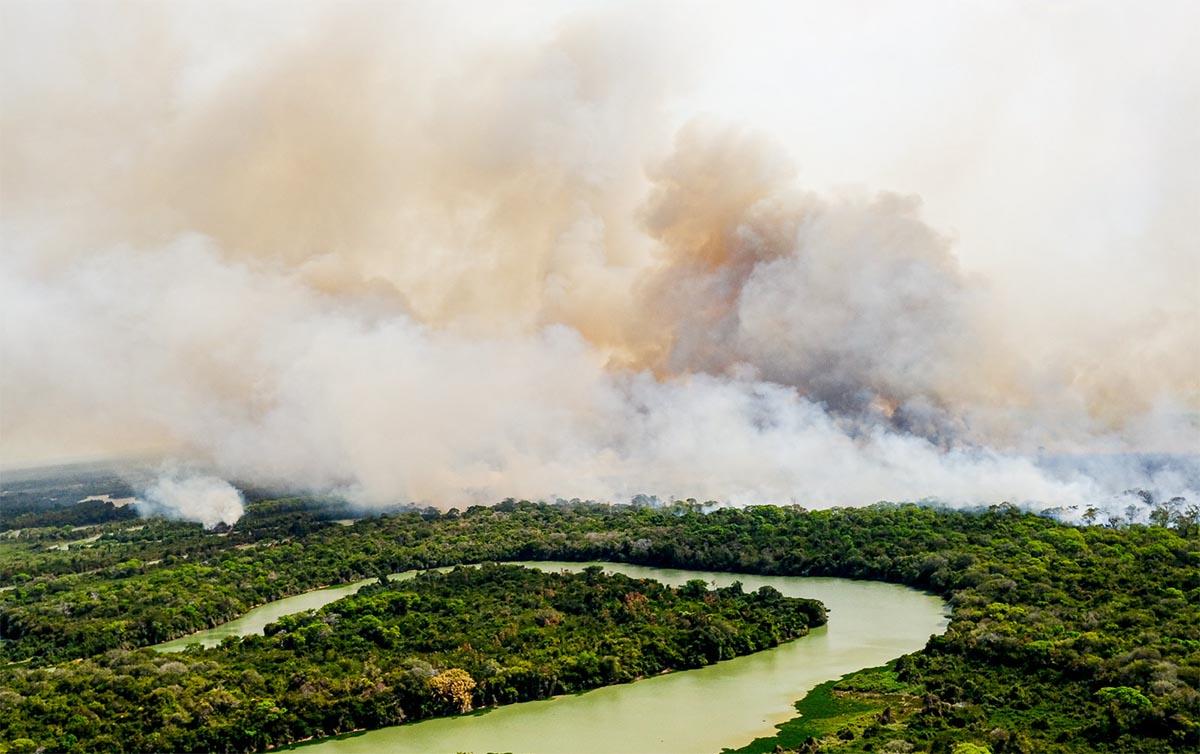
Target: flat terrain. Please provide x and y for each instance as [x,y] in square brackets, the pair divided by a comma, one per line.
[1061,639]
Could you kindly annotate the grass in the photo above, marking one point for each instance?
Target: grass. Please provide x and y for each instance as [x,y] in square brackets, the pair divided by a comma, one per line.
[835,713]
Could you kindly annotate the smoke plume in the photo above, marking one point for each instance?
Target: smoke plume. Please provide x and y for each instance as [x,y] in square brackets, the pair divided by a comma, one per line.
[402,255]
[205,499]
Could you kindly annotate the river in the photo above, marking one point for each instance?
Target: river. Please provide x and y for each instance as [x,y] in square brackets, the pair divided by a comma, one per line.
[692,712]
[254,621]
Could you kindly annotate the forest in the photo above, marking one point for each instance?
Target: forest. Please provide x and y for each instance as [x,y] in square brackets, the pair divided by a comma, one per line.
[396,652]
[1062,638]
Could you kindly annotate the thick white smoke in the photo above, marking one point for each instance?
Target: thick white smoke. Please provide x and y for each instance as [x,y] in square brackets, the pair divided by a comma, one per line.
[192,497]
[401,259]
[332,394]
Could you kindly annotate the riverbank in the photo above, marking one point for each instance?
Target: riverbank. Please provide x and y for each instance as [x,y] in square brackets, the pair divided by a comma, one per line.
[718,707]
[841,710]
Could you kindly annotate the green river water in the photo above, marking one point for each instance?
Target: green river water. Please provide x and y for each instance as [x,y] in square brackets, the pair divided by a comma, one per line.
[254,621]
[691,712]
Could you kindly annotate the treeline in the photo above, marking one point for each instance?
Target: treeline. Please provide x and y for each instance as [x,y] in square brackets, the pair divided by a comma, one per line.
[35,551]
[1062,638]
[437,645]
[83,513]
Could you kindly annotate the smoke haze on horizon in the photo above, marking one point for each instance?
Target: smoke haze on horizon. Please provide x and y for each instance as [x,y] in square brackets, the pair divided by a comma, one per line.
[407,253]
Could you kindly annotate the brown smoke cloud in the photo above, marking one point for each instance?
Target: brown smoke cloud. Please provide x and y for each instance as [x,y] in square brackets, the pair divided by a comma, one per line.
[380,252]
[853,299]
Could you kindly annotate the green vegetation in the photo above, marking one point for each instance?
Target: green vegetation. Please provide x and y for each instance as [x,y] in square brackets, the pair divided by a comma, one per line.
[437,645]
[60,497]
[1063,639]
[842,710]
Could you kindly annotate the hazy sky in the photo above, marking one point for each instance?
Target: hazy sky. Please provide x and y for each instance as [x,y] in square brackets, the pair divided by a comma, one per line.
[812,252]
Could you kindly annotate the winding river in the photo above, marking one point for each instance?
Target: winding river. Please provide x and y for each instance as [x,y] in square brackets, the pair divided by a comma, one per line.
[254,621]
[697,711]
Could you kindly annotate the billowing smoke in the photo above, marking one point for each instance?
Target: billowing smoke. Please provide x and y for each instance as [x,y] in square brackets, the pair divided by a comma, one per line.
[852,300]
[192,497]
[402,258]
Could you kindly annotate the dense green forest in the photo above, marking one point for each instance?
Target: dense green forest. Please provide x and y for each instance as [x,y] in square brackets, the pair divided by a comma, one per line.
[1063,639]
[395,652]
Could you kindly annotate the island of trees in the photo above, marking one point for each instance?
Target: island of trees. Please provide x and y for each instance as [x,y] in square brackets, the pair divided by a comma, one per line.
[440,644]
[1062,638]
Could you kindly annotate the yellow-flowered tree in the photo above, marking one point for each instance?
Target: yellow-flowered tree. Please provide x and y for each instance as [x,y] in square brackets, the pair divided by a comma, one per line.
[455,687]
